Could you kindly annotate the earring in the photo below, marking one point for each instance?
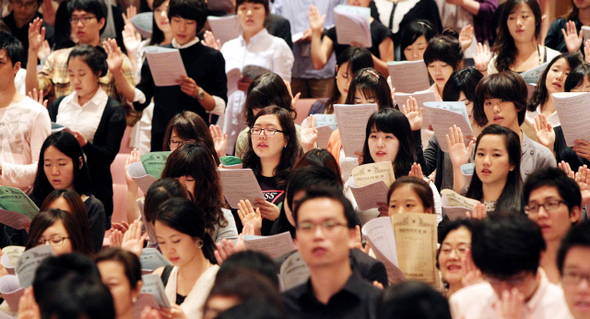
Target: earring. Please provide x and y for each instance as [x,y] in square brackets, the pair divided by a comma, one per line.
[199,243]
[134,299]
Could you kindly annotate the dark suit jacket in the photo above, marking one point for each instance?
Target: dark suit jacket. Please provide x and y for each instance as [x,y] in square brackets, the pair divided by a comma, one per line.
[280,28]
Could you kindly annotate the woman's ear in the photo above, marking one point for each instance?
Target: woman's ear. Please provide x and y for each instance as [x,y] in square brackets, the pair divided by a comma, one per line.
[81,160]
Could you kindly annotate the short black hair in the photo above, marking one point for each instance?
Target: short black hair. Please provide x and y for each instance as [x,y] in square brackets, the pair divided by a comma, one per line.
[96,7]
[503,245]
[506,85]
[94,57]
[190,10]
[413,299]
[14,48]
[262,2]
[567,188]
[578,236]
[444,48]
[576,77]
[464,80]
[333,194]
[412,31]
[251,261]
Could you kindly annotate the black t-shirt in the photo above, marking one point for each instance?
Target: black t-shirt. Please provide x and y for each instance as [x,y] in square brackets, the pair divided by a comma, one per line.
[378,33]
[272,194]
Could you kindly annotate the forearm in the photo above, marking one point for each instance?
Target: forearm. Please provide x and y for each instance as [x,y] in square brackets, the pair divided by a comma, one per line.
[207,102]
[123,86]
[471,6]
[458,179]
[318,58]
[132,208]
[31,80]
[380,65]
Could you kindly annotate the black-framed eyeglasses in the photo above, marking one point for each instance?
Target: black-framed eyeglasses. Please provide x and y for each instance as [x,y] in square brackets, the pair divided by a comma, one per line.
[574,278]
[53,241]
[327,227]
[85,20]
[267,131]
[27,5]
[549,206]
[178,143]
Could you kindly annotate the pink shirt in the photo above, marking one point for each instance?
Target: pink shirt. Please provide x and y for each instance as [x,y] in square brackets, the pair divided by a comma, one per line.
[477,302]
[23,129]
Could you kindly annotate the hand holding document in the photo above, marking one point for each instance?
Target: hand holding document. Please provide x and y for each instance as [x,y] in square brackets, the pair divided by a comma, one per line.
[275,246]
[152,259]
[248,72]
[421,98]
[29,261]
[165,64]
[140,176]
[416,246]
[224,28]
[369,195]
[152,284]
[10,256]
[239,184]
[533,75]
[408,76]
[353,25]
[448,114]
[371,183]
[352,122]
[455,205]
[573,111]
[379,235]
[294,271]
[14,199]
[325,124]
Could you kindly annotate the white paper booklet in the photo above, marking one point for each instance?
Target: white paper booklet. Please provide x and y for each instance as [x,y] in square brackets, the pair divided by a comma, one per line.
[152,284]
[533,75]
[224,28]
[379,234]
[408,76]
[353,25]
[294,271]
[447,114]
[29,261]
[573,111]
[165,64]
[325,124]
[421,98]
[373,172]
[239,184]
[152,259]
[249,71]
[352,122]
[455,205]
[368,196]
[275,246]
[140,176]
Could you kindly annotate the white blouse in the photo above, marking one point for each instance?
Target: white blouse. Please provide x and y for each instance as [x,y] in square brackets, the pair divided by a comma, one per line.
[83,118]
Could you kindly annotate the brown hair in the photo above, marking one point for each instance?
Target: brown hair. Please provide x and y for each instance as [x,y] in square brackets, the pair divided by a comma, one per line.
[419,186]
[78,238]
[130,262]
[190,126]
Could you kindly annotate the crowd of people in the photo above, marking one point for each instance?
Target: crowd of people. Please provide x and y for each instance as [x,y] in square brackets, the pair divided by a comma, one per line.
[75,76]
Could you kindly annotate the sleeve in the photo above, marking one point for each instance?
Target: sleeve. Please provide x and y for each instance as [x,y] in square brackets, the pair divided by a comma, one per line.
[487,8]
[23,176]
[331,33]
[283,60]
[229,232]
[115,130]
[145,85]
[96,222]
[430,156]
[377,272]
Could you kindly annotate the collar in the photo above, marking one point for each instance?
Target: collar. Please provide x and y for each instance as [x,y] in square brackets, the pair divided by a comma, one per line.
[540,292]
[354,287]
[255,38]
[184,46]
[97,99]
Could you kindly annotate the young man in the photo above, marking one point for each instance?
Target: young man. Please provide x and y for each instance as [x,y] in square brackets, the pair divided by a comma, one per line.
[23,13]
[24,123]
[552,200]
[204,90]
[325,232]
[573,260]
[507,249]
[88,19]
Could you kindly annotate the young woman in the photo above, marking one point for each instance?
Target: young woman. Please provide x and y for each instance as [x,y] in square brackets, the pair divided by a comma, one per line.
[256,47]
[62,166]
[265,90]
[347,64]
[324,43]
[496,181]
[367,86]
[61,230]
[273,149]
[571,24]
[579,79]
[442,57]
[189,127]
[96,120]
[184,241]
[120,271]
[454,248]
[410,194]
[195,167]
[551,81]
[460,87]
[516,47]
[414,39]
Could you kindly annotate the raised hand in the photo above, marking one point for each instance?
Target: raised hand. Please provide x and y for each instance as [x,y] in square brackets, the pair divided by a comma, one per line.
[544,131]
[565,166]
[115,56]
[248,215]
[482,57]
[582,177]
[309,134]
[457,151]
[132,158]
[219,139]
[48,12]
[573,39]
[36,36]
[131,12]
[413,113]
[416,171]
[224,249]
[133,239]
[210,41]
[316,21]
[38,97]
[131,39]
[466,36]
[268,210]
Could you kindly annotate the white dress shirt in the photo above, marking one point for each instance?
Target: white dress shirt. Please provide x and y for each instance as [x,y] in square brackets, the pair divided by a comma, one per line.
[83,118]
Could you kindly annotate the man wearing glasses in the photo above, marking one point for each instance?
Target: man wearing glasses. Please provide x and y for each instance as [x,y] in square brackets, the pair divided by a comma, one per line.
[553,201]
[507,248]
[24,12]
[87,20]
[573,260]
[325,231]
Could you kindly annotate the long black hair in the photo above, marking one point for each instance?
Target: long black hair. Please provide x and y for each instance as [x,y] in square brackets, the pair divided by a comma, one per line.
[541,95]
